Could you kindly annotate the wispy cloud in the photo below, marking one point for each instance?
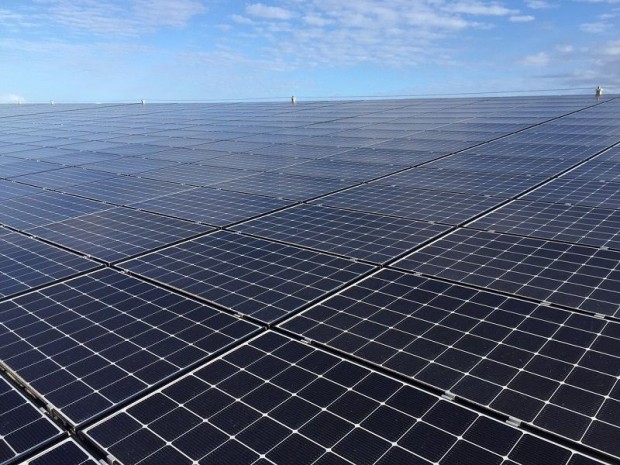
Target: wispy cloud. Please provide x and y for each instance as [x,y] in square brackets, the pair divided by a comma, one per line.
[120,19]
[260,10]
[594,28]
[537,59]
[481,8]
[11,98]
[521,19]
[539,4]
[340,34]
[609,2]
[167,13]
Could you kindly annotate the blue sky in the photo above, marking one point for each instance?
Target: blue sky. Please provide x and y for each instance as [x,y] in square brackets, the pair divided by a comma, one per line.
[125,50]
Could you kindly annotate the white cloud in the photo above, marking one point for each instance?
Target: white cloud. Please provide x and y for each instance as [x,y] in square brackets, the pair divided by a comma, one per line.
[481,8]
[539,4]
[11,98]
[241,19]
[316,20]
[612,49]
[537,59]
[521,19]
[609,2]
[260,10]
[130,18]
[565,48]
[594,28]
[172,13]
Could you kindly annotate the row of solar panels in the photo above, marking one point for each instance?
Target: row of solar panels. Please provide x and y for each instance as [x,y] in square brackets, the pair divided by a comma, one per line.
[87,346]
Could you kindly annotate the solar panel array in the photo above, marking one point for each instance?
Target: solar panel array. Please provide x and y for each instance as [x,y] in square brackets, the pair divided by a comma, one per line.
[377,282]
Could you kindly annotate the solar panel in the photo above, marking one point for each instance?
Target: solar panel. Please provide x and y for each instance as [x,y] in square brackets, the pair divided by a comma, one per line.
[64,177]
[599,227]
[137,150]
[420,144]
[579,192]
[75,158]
[91,343]
[9,190]
[466,182]
[552,368]
[117,233]
[478,276]
[426,205]
[253,161]
[285,186]
[67,452]
[402,158]
[23,427]
[504,165]
[300,150]
[276,400]
[184,155]
[251,276]
[611,155]
[509,148]
[124,190]
[26,263]
[212,206]
[234,146]
[197,175]
[47,207]
[597,171]
[349,170]
[576,276]
[21,167]
[93,145]
[353,234]
[129,165]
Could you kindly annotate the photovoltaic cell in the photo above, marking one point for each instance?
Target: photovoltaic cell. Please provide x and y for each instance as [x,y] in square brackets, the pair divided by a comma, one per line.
[279,401]
[197,175]
[512,149]
[466,182]
[9,190]
[599,227]
[74,158]
[68,452]
[443,146]
[253,161]
[355,234]
[572,275]
[336,169]
[286,186]
[251,276]
[26,263]
[124,190]
[537,364]
[299,151]
[212,206]
[64,177]
[95,341]
[129,165]
[21,167]
[503,165]
[23,426]
[401,158]
[45,208]
[443,207]
[183,155]
[597,171]
[578,192]
[118,233]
